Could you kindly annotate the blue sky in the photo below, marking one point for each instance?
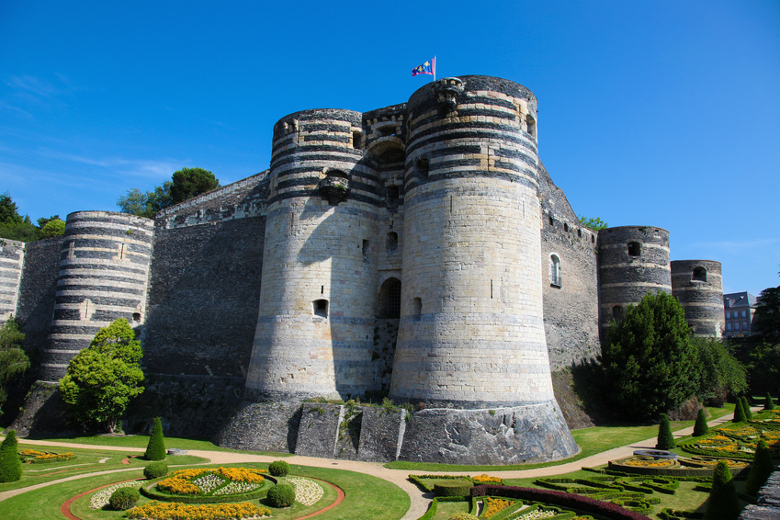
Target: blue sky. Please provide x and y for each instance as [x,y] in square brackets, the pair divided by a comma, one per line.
[662,113]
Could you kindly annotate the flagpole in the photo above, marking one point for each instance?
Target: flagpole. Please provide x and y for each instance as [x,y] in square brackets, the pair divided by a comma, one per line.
[434,68]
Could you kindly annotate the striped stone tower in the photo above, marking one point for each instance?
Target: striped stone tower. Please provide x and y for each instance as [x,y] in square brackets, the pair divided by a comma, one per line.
[633,261]
[104,271]
[11,262]
[699,287]
[317,303]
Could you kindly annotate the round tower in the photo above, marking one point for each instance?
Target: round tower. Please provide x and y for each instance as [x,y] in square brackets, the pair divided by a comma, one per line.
[314,334]
[633,261]
[104,271]
[699,287]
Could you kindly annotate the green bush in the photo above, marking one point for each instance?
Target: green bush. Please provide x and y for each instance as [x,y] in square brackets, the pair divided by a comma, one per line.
[281,495]
[462,516]
[155,450]
[746,409]
[723,503]
[456,488]
[665,436]
[278,468]
[155,470]
[124,498]
[10,465]
[701,427]
[739,412]
[769,404]
[760,470]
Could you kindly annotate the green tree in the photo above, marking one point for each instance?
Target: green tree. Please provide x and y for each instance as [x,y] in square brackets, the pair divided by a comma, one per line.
[10,465]
[767,317]
[596,224]
[701,427]
[739,412]
[190,182]
[746,409]
[13,359]
[155,450]
[761,468]
[9,212]
[769,404]
[15,227]
[720,372]
[53,227]
[648,359]
[723,503]
[184,184]
[665,435]
[102,378]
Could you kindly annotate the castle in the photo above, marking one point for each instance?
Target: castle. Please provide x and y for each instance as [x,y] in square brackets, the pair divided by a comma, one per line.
[419,250]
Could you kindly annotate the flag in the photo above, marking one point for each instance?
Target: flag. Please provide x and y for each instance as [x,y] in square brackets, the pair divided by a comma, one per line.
[429,67]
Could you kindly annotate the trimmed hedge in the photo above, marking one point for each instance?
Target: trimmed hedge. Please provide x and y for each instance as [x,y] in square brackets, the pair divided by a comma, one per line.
[10,465]
[452,489]
[155,450]
[155,470]
[665,435]
[281,495]
[760,470]
[279,468]
[701,427]
[124,498]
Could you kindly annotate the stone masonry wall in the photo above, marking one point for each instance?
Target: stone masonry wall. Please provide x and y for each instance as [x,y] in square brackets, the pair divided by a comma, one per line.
[11,262]
[38,289]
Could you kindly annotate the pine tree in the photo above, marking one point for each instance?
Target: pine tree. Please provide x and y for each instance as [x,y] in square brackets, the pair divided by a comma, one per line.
[761,468]
[723,503]
[701,427]
[155,450]
[665,436]
[769,404]
[739,412]
[10,465]
[746,409]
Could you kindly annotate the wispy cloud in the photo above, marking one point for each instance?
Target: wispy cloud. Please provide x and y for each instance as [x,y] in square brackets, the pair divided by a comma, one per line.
[26,89]
[153,169]
[7,106]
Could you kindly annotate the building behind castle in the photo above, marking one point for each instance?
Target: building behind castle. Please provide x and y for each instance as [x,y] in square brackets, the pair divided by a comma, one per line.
[419,250]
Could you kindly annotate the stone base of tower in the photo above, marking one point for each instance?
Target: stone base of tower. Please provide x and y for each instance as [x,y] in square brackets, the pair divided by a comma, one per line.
[521,434]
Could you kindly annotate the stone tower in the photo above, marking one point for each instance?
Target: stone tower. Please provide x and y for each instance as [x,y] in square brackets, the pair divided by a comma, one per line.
[104,271]
[633,261]
[699,287]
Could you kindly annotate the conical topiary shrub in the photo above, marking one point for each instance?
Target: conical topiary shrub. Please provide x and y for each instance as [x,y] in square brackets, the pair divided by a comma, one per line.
[10,465]
[155,450]
[769,404]
[701,427]
[746,408]
[761,468]
[723,503]
[665,436]
[739,412]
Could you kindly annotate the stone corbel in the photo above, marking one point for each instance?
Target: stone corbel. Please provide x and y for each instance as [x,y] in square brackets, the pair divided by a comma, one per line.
[447,90]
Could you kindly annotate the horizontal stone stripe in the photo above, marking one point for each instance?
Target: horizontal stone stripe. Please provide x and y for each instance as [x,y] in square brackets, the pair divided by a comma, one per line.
[340,209]
[314,152]
[101,277]
[98,281]
[624,245]
[115,231]
[327,138]
[411,193]
[67,265]
[356,171]
[310,193]
[122,238]
[104,255]
[72,289]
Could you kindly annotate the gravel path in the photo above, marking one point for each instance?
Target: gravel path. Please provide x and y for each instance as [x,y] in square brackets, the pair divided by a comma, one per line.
[419,500]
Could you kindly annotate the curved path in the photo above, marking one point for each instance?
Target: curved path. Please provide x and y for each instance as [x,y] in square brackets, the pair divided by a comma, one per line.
[419,501]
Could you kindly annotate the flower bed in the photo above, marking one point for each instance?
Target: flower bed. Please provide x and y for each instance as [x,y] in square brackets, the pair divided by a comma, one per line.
[35,457]
[173,511]
[100,499]
[307,492]
[208,485]
[736,442]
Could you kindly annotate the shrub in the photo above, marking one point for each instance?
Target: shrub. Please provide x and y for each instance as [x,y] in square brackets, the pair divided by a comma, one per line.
[155,470]
[739,412]
[769,404]
[723,503]
[281,495]
[760,470]
[746,409]
[124,498]
[278,468]
[701,427]
[455,488]
[10,465]
[155,450]
[665,436]
[462,516]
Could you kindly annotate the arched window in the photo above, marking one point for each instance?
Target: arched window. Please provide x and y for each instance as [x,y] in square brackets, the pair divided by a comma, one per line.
[700,274]
[555,270]
[391,242]
[390,299]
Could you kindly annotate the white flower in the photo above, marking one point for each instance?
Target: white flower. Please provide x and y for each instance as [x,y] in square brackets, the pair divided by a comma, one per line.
[307,492]
[100,499]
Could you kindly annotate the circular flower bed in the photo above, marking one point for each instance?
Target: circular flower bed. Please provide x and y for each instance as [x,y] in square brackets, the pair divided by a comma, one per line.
[307,492]
[656,454]
[646,462]
[208,485]
[171,511]
[100,499]
[34,456]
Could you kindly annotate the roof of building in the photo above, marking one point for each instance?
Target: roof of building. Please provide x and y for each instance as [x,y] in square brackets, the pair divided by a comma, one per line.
[738,299]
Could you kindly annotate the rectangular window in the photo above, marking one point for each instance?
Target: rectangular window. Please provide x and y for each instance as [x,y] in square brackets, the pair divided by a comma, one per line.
[744,314]
[728,327]
[744,325]
[728,315]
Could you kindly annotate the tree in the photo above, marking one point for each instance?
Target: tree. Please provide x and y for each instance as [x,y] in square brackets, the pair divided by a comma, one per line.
[769,404]
[739,412]
[665,435]
[190,182]
[701,427]
[15,227]
[51,227]
[596,224]
[648,359]
[746,409]
[761,468]
[9,212]
[767,317]
[720,372]
[10,465]
[13,359]
[723,503]
[155,450]
[102,378]
[184,184]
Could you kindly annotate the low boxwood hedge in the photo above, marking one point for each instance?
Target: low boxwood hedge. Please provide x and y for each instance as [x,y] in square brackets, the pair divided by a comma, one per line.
[456,488]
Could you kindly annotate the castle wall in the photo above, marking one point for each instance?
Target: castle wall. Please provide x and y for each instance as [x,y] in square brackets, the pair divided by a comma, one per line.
[569,280]
[38,288]
[104,269]
[698,285]
[11,262]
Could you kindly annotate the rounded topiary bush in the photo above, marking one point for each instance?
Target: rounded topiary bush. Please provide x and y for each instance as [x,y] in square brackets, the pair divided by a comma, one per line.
[455,488]
[155,450]
[739,412]
[665,437]
[124,498]
[281,495]
[155,470]
[769,403]
[10,465]
[462,516]
[278,468]
[701,427]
